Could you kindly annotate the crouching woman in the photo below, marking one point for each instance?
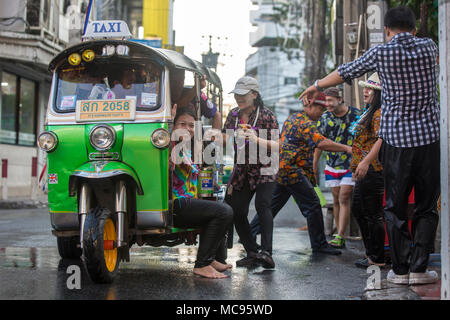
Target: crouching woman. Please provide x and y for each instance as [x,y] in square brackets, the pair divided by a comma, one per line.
[212,217]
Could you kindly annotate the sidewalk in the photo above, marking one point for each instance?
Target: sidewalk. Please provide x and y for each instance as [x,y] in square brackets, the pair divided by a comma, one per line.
[390,291]
[24,203]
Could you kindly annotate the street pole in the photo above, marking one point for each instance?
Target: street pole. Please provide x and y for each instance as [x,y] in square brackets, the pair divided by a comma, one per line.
[352,11]
[444,63]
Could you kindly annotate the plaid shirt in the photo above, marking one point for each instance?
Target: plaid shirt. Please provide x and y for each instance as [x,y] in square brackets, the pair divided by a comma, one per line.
[407,69]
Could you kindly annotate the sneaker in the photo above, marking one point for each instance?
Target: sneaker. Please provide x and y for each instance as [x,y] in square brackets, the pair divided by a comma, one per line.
[397,278]
[249,261]
[265,258]
[362,263]
[423,277]
[327,249]
[338,242]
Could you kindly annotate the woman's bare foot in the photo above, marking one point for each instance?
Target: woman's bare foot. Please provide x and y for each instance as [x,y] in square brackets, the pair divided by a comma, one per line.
[376,264]
[209,272]
[220,266]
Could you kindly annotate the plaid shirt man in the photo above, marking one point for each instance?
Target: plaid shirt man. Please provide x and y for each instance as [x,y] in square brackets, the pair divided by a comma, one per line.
[407,69]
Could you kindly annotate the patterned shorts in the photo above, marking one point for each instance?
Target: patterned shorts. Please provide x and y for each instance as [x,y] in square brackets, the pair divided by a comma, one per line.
[338,177]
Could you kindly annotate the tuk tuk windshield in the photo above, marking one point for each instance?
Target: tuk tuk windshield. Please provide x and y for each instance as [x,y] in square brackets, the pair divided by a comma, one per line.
[95,81]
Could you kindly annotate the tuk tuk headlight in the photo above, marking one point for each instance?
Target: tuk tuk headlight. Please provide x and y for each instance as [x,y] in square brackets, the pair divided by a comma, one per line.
[161,138]
[102,137]
[47,141]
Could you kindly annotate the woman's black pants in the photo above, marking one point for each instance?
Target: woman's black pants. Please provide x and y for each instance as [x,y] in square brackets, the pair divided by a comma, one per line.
[240,202]
[213,218]
[405,168]
[367,208]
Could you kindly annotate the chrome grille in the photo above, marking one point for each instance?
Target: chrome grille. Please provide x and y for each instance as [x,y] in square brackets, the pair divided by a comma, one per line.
[104,156]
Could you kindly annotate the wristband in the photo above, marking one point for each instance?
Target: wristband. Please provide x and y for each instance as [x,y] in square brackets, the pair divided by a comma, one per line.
[316,84]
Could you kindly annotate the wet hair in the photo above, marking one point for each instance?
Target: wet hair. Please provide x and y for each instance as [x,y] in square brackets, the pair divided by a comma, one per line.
[366,121]
[333,92]
[258,101]
[185,111]
[400,18]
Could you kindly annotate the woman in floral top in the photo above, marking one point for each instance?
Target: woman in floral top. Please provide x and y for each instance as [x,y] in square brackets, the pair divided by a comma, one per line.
[367,205]
[253,124]
[214,218]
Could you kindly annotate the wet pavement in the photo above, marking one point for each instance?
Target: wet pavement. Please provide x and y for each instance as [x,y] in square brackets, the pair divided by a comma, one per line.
[30,268]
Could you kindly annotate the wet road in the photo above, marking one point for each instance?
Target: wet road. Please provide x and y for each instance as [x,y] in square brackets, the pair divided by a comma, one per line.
[30,267]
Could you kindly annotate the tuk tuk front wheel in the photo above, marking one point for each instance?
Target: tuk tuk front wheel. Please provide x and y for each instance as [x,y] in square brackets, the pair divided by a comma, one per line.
[100,253]
[69,247]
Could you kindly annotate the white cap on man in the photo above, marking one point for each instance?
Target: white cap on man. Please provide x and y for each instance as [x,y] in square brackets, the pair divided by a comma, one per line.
[244,85]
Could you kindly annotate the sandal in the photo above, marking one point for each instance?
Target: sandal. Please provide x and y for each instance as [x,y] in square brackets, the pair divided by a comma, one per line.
[337,242]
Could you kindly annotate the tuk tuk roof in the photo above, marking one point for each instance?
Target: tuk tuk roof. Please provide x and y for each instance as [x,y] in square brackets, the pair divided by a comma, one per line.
[210,75]
[172,59]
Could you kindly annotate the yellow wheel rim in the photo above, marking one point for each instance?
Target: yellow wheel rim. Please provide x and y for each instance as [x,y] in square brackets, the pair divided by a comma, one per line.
[110,255]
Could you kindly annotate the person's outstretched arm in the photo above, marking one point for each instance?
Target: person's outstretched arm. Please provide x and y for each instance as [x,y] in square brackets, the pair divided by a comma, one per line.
[345,73]
[331,80]
[328,145]
[317,153]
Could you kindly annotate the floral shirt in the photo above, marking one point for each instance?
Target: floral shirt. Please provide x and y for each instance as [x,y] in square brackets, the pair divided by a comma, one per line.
[299,138]
[364,141]
[337,129]
[185,176]
[262,119]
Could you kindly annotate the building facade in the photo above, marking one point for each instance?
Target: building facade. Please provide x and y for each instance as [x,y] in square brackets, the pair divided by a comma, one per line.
[277,71]
[31,33]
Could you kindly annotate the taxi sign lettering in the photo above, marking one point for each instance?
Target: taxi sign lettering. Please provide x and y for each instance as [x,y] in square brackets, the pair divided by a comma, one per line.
[112,27]
[107,29]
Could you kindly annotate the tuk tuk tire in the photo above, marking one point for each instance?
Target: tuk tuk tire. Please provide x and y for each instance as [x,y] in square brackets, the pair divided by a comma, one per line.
[93,246]
[68,247]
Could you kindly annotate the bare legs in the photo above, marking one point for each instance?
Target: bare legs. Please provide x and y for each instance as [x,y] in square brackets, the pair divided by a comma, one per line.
[335,193]
[341,207]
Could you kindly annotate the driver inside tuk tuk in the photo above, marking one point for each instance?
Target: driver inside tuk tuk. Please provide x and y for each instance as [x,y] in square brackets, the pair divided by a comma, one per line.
[213,218]
[125,87]
[185,98]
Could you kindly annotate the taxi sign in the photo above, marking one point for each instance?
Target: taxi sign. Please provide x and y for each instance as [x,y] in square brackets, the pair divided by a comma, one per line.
[107,29]
[105,110]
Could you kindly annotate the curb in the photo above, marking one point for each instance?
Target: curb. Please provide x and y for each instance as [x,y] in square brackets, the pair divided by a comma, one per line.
[22,204]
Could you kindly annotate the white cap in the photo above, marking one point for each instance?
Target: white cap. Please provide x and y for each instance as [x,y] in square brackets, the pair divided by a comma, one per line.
[244,85]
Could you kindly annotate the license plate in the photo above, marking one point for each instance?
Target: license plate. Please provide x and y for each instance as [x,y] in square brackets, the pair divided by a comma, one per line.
[105,110]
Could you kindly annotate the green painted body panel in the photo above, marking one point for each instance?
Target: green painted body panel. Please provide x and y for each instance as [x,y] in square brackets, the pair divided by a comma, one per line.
[69,154]
[138,158]
[150,163]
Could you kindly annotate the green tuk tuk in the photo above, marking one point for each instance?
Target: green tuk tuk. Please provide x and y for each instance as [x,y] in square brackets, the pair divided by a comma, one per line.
[107,138]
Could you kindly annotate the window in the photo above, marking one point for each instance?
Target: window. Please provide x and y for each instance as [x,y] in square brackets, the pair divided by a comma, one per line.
[290,80]
[17,110]
[27,135]
[119,79]
[33,9]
